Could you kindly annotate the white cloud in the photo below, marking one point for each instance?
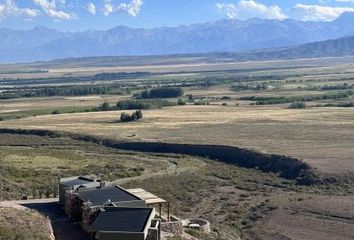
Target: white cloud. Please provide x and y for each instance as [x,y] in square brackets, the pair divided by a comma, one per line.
[317,12]
[132,8]
[91,8]
[50,9]
[229,9]
[107,7]
[9,8]
[245,9]
[345,1]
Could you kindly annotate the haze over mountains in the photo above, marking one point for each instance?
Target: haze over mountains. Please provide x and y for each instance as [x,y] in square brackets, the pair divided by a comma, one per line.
[221,36]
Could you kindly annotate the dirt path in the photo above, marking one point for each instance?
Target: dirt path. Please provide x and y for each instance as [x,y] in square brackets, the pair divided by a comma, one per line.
[171,168]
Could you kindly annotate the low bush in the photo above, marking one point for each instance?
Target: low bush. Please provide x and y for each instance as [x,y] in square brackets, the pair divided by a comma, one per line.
[105,107]
[56,112]
[226,98]
[297,105]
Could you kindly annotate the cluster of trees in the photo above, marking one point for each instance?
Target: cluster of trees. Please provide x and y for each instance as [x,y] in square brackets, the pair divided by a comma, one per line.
[337,87]
[135,116]
[291,99]
[118,75]
[328,87]
[245,87]
[161,92]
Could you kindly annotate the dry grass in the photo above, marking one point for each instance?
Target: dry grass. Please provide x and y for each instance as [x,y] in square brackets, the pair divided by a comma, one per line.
[160,65]
[313,217]
[23,225]
[322,137]
[31,104]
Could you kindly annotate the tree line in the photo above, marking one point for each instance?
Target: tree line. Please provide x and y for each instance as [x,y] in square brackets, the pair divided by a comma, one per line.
[160,92]
[63,91]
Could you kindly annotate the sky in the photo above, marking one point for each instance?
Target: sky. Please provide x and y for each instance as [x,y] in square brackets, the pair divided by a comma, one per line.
[80,15]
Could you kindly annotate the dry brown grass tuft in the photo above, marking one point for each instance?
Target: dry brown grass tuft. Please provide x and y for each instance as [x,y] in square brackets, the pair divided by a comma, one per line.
[23,225]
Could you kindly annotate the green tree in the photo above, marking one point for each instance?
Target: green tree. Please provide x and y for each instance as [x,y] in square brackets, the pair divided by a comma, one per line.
[105,106]
[135,116]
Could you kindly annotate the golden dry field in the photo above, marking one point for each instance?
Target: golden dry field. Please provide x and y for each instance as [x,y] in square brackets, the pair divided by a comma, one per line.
[322,137]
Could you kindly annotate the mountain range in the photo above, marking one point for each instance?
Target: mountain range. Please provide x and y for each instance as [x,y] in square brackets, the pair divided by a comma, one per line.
[288,38]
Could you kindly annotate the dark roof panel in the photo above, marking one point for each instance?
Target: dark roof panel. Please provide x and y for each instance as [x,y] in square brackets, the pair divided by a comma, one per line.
[102,195]
[122,220]
[78,181]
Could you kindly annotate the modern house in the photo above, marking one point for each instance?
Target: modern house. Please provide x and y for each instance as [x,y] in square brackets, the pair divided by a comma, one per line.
[75,183]
[125,224]
[82,203]
[111,212]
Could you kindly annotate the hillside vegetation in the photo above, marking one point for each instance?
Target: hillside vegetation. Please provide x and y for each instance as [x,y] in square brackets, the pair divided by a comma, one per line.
[23,225]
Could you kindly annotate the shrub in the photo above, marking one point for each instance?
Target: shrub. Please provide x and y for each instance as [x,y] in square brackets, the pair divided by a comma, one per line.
[139,114]
[226,98]
[1,119]
[200,102]
[135,116]
[297,105]
[56,112]
[105,107]
[181,102]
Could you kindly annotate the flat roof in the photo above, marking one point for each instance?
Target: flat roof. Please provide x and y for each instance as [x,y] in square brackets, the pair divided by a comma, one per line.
[76,181]
[122,220]
[101,196]
[147,196]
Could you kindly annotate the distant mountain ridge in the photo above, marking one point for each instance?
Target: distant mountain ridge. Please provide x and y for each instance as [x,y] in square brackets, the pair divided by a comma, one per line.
[329,48]
[42,43]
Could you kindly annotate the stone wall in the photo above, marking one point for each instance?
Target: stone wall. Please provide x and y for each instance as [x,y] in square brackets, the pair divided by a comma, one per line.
[89,215]
[175,228]
[73,206]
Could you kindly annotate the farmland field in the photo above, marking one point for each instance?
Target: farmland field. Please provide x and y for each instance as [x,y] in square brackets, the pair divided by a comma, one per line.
[301,109]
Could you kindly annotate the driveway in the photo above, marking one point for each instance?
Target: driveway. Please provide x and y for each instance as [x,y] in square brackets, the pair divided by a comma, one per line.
[63,228]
